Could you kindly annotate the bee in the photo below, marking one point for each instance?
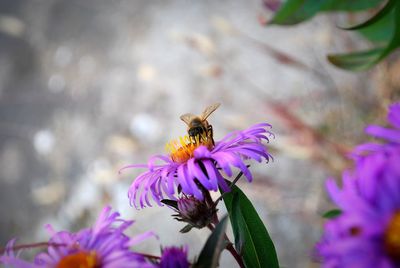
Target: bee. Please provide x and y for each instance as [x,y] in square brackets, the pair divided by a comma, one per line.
[198,126]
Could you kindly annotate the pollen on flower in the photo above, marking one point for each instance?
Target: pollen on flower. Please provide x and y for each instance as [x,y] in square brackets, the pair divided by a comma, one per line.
[80,259]
[392,237]
[182,149]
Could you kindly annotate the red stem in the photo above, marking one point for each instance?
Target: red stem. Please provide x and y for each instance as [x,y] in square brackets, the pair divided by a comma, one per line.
[230,248]
[235,254]
[149,256]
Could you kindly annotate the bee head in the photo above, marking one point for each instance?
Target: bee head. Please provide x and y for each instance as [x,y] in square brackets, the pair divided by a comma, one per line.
[196,122]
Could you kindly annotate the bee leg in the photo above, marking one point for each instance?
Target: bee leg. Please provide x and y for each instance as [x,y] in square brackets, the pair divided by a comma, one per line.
[193,139]
[210,134]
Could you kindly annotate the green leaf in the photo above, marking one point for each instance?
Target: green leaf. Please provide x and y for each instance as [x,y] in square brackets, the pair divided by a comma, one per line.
[209,255]
[356,61]
[395,42]
[332,214]
[383,28]
[363,60]
[379,16]
[350,5]
[381,31]
[251,237]
[296,11]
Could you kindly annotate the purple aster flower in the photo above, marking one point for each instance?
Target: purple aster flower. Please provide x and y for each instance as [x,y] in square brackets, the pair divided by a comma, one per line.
[197,165]
[104,245]
[174,257]
[367,232]
[391,135]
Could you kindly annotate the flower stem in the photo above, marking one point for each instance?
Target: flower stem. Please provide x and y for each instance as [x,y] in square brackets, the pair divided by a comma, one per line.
[229,247]
[234,253]
[215,221]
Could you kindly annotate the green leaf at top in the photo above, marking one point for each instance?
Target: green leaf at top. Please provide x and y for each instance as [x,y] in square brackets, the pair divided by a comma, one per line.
[252,240]
[363,60]
[296,11]
[209,255]
[356,61]
[379,16]
[350,5]
[381,31]
[395,42]
[332,214]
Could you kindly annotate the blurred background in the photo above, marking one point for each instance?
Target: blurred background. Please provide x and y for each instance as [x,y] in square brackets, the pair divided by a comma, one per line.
[87,87]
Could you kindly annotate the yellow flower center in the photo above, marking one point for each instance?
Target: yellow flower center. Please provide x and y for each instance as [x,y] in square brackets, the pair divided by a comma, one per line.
[182,149]
[392,237]
[80,259]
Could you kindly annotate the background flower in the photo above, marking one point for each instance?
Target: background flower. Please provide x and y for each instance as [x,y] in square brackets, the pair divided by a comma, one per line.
[101,246]
[174,257]
[390,135]
[367,232]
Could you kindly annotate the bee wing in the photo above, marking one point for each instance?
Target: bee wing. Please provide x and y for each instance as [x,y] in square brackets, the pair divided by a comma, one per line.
[187,118]
[209,110]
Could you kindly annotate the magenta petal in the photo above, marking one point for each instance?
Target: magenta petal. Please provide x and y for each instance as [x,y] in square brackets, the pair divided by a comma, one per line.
[384,133]
[15,262]
[212,174]
[222,183]
[394,115]
[196,171]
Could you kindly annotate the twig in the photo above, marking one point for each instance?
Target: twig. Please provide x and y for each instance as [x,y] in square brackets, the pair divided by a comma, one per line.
[149,256]
[232,183]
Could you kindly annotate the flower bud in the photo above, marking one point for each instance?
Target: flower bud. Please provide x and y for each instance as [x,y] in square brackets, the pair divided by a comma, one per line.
[195,212]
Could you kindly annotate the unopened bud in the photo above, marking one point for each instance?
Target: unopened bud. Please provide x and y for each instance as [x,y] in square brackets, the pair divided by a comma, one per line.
[195,212]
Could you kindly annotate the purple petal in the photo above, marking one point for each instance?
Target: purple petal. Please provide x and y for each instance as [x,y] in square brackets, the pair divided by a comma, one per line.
[394,114]
[384,133]
[196,171]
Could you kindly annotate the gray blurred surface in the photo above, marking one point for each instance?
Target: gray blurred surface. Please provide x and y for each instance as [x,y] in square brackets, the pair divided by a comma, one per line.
[87,87]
